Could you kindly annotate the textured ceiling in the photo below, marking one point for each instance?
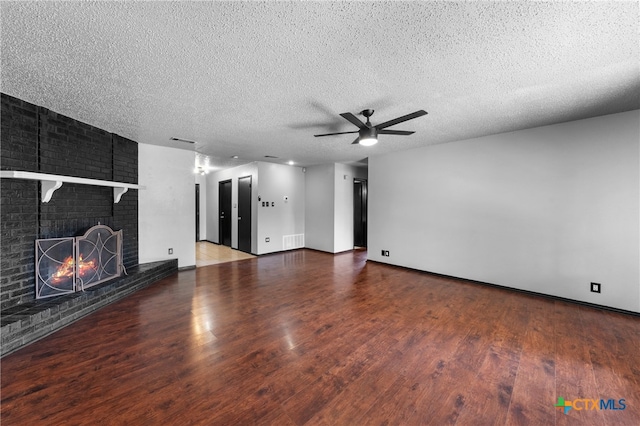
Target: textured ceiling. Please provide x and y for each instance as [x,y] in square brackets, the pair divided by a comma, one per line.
[261,78]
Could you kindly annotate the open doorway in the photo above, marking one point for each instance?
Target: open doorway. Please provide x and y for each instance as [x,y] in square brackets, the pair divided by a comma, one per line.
[224,204]
[212,253]
[359,212]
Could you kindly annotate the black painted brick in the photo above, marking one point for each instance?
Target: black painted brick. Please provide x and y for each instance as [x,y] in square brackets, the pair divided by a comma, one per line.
[19,129]
[40,140]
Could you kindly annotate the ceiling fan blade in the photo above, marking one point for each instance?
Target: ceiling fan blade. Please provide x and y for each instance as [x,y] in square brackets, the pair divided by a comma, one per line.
[338,133]
[357,141]
[353,119]
[395,132]
[401,119]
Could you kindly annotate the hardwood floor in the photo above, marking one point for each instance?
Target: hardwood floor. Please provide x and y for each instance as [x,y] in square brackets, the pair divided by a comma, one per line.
[305,337]
[211,254]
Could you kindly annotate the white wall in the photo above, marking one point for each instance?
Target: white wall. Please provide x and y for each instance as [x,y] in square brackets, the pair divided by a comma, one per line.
[166,208]
[319,207]
[213,213]
[284,217]
[547,210]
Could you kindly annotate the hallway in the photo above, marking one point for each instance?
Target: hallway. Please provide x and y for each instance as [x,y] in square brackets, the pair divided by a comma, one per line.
[211,254]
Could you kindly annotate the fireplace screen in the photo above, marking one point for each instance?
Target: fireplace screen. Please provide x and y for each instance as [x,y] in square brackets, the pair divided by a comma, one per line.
[65,265]
[55,272]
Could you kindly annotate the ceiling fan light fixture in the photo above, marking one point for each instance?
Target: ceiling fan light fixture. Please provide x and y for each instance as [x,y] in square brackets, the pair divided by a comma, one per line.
[368,141]
[200,170]
[368,133]
[368,136]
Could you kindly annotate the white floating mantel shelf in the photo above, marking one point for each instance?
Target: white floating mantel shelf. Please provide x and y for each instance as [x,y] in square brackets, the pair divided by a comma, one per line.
[49,183]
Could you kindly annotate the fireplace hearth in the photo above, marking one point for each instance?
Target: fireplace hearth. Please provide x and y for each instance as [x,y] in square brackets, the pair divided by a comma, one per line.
[28,322]
[67,265]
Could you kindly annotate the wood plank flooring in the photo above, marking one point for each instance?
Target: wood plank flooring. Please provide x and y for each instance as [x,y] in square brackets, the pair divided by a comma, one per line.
[211,254]
[308,338]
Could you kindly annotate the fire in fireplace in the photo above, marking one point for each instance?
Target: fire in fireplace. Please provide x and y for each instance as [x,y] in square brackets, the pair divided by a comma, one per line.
[67,265]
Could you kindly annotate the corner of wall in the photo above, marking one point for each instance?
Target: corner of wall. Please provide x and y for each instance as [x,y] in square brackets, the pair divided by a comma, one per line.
[167,207]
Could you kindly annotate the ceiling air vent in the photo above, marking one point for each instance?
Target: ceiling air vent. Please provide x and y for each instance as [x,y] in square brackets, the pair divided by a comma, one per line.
[182,140]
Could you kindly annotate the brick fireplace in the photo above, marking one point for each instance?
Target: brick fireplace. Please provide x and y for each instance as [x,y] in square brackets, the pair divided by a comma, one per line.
[35,139]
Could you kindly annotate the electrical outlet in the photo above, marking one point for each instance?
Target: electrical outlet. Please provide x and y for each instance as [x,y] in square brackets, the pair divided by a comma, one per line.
[170,251]
[385,253]
[595,287]
[266,240]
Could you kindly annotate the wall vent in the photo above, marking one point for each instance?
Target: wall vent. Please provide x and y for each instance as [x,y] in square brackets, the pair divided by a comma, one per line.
[295,241]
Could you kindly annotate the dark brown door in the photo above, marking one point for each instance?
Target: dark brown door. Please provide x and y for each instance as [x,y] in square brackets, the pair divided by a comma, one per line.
[359,212]
[197,212]
[244,214]
[224,205]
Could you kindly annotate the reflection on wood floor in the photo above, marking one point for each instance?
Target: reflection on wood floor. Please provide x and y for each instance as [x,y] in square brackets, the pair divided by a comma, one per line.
[210,254]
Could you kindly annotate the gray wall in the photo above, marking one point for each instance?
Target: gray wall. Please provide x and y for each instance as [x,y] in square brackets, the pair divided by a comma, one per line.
[319,207]
[547,210]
